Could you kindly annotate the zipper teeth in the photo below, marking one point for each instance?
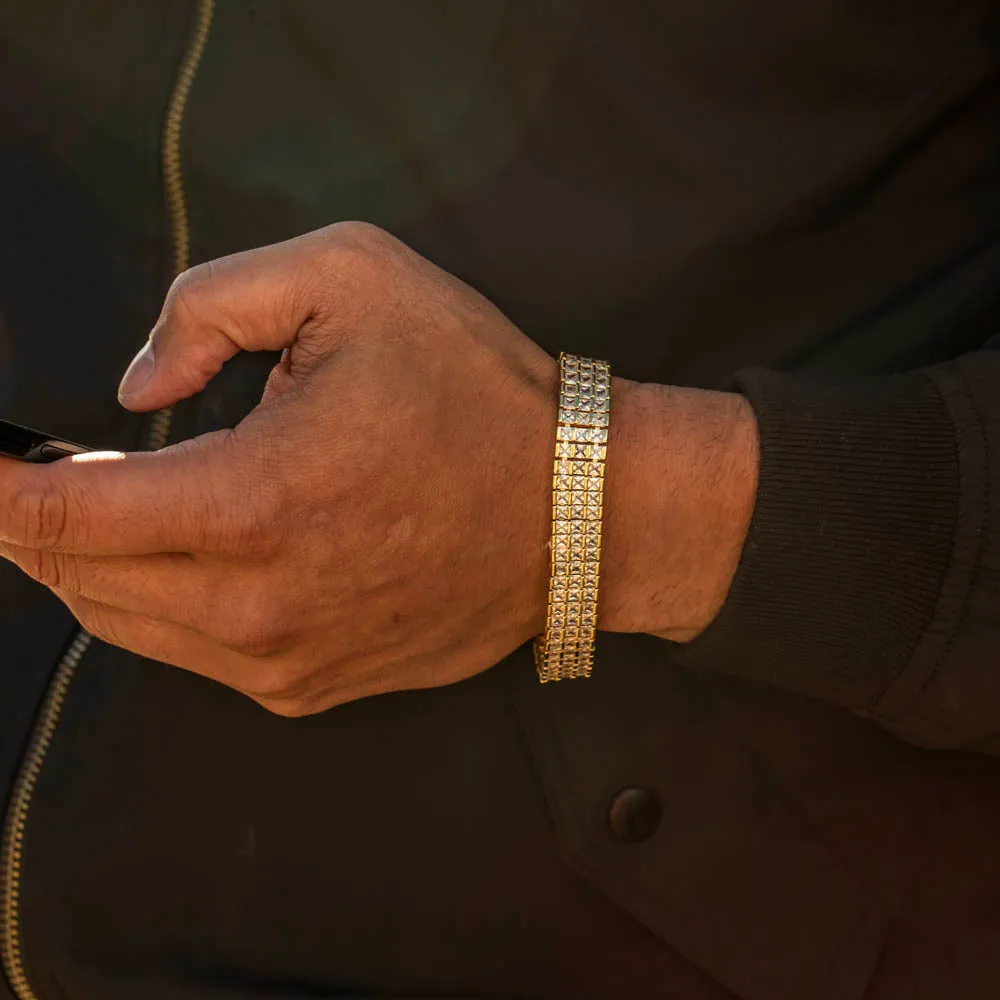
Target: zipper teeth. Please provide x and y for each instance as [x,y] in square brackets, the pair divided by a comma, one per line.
[173,177]
[16,821]
[17,817]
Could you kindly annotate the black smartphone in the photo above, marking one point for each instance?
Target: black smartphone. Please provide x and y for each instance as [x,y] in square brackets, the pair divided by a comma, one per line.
[34,446]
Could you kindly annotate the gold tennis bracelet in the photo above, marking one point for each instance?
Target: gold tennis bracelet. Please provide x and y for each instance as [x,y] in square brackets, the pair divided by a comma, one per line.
[567,648]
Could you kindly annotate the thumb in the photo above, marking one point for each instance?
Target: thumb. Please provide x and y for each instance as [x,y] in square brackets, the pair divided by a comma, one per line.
[258,300]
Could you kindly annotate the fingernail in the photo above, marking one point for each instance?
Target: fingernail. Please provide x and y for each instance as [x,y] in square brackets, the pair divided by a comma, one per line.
[137,374]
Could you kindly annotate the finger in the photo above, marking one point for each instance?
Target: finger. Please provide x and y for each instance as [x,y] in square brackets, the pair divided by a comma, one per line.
[172,587]
[172,644]
[257,300]
[192,497]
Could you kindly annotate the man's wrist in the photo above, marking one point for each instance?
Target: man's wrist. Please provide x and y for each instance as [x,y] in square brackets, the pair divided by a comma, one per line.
[679,494]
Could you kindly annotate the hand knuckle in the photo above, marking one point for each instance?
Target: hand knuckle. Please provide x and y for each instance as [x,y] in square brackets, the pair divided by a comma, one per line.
[186,300]
[289,708]
[361,250]
[254,643]
[237,635]
[358,232]
[39,517]
[189,284]
[277,681]
[253,630]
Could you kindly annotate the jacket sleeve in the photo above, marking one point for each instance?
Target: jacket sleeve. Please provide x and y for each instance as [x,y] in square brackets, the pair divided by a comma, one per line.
[870,576]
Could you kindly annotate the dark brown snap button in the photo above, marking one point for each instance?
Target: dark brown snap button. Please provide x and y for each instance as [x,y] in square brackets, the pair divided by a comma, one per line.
[634,814]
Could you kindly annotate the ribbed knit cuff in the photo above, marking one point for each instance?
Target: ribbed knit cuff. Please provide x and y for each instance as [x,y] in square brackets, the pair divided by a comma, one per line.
[850,538]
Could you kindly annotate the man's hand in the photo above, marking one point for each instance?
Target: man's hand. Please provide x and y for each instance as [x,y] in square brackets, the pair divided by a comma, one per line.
[381,520]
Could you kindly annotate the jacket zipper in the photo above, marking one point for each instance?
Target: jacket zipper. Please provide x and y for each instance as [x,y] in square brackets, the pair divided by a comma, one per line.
[12,846]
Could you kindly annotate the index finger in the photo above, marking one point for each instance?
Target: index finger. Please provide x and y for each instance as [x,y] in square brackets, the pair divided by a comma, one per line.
[187,497]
